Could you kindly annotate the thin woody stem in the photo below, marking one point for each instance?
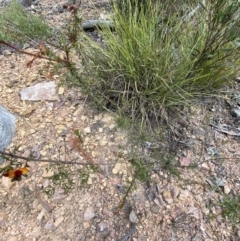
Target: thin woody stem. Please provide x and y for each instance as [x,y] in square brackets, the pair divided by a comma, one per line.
[37,55]
[3,153]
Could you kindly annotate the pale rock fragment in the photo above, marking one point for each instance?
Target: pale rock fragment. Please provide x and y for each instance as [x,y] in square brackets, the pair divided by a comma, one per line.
[87,197]
[117,168]
[36,232]
[184,194]
[107,212]
[103,143]
[60,90]
[59,194]
[6,52]
[41,215]
[50,225]
[227,189]
[47,173]
[49,106]
[89,214]
[89,181]
[40,91]
[184,161]
[9,91]
[86,225]
[87,130]
[107,119]
[130,179]
[133,217]
[102,226]
[167,196]
[58,221]
[196,213]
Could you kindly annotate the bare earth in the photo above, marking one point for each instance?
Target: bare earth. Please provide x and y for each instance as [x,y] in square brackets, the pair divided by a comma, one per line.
[168,208]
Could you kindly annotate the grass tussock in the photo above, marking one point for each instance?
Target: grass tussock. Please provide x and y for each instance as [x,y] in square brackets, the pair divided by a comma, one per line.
[151,63]
[19,25]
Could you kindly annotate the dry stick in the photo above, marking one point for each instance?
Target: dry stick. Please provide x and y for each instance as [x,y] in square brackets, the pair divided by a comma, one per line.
[3,153]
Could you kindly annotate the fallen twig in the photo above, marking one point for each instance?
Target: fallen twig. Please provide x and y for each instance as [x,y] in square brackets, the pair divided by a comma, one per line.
[231,133]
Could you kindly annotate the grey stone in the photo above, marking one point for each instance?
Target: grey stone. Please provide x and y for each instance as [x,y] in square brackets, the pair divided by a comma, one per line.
[7,129]
[25,3]
[154,209]
[57,9]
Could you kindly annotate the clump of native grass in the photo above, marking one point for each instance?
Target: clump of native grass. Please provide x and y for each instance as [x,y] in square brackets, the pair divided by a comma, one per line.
[155,61]
[231,209]
[19,25]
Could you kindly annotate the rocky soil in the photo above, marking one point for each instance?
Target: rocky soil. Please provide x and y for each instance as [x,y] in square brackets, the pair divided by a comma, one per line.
[42,206]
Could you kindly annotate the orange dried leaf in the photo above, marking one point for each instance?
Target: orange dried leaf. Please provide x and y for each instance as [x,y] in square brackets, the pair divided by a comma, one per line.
[11,174]
[24,170]
[16,174]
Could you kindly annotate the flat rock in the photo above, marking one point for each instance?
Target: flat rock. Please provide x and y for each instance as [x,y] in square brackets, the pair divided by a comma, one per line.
[40,91]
